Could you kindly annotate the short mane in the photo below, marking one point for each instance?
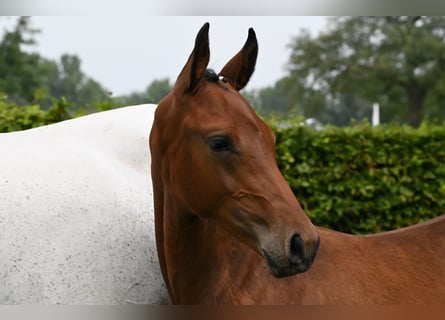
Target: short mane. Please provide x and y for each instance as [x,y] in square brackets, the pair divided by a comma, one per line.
[211,75]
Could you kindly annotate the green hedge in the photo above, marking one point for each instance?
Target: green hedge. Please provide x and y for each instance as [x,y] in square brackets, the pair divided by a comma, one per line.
[14,117]
[361,179]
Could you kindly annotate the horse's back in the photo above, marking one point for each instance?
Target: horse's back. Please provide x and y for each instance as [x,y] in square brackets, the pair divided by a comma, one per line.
[403,266]
[429,233]
[76,212]
[119,133]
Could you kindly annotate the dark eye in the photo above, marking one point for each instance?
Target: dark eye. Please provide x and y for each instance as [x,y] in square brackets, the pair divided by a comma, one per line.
[220,144]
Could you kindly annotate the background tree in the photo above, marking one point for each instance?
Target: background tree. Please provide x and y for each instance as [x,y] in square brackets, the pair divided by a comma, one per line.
[272,100]
[27,77]
[157,90]
[153,94]
[344,107]
[396,61]
[19,70]
[66,79]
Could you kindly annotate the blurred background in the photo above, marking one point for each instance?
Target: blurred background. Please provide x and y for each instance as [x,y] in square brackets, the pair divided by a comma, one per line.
[329,69]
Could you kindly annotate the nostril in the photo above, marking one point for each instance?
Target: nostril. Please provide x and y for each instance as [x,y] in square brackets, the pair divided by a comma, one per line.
[296,248]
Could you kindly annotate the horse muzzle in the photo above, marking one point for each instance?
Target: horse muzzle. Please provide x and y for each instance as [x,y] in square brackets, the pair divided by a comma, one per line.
[297,261]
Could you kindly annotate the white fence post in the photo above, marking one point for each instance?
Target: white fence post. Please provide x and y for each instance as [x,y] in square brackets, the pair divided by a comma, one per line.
[375,114]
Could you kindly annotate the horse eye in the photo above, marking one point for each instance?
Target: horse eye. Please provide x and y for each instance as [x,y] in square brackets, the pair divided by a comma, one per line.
[220,144]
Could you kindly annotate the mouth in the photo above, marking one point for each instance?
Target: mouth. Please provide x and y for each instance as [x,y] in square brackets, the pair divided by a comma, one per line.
[292,268]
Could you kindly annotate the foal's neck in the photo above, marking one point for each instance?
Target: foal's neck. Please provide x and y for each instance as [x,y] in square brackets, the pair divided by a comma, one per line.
[206,265]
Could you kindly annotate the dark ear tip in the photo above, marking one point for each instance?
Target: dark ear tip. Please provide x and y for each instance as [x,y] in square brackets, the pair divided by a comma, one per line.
[251,39]
[251,33]
[205,27]
[202,33]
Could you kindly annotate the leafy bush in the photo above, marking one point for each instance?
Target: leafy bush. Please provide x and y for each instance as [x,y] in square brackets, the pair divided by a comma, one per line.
[14,117]
[361,179]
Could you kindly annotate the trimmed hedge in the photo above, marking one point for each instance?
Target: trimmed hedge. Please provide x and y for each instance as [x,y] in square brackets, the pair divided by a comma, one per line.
[14,117]
[361,179]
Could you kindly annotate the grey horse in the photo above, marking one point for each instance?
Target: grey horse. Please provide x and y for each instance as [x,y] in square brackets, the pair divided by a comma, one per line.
[76,212]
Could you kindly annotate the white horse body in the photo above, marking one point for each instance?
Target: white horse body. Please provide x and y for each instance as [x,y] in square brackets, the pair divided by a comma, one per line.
[76,212]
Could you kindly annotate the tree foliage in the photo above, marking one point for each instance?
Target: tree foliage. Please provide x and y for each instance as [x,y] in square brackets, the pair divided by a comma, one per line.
[19,70]
[395,61]
[153,94]
[26,77]
[65,78]
[271,100]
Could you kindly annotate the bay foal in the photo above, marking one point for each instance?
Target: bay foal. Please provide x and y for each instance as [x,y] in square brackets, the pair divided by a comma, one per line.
[230,231]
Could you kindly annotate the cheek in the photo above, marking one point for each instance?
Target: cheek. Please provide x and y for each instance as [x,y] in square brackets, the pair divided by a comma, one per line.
[198,182]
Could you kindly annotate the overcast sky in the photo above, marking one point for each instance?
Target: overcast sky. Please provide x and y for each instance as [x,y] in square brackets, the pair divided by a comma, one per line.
[126,53]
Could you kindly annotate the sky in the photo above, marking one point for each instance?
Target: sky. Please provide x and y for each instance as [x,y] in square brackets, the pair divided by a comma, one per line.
[126,53]
[219,7]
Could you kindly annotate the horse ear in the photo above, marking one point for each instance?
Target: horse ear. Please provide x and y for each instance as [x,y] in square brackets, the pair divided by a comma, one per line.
[196,65]
[239,69]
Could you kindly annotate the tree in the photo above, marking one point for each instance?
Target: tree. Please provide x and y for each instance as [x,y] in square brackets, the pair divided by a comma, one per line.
[396,61]
[153,94]
[158,89]
[343,108]
[28,77]
[19,70]
[271,100]
[66,79]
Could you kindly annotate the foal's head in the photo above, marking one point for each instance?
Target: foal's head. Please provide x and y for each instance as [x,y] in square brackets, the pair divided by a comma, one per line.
[217,159]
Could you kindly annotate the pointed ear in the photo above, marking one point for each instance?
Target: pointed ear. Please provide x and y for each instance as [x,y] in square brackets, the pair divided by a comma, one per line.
[194,70]
[239,69]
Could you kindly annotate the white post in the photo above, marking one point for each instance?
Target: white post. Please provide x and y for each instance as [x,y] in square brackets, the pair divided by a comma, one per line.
[375,114]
